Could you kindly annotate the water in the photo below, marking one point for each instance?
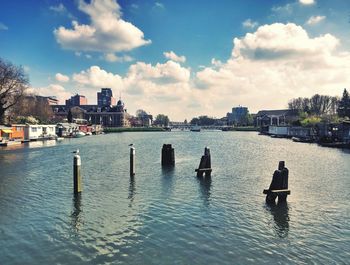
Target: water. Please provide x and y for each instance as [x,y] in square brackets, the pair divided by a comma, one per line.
[166,216]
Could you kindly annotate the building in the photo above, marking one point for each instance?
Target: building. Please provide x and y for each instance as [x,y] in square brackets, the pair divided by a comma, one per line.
[275,117]
[105,98]
[18,131]
[5,133]
[113,116]
[76,100]
[52,100]
[238,116]
[37,132]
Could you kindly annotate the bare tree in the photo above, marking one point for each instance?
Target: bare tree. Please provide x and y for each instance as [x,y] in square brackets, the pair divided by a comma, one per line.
[13,83]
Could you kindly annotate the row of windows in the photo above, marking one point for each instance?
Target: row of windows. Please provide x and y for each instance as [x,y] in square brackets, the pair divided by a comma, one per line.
[50,129]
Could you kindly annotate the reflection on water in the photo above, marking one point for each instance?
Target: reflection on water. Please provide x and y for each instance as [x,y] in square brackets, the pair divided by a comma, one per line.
[132,190]
[76,216]
[205,185]
[167,179]
[280,213]
[37,144]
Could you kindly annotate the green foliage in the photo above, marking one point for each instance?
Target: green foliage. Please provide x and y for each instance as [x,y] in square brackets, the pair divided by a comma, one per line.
[24,120]
[344,105]
[203,121]
[310,121]
[161,120]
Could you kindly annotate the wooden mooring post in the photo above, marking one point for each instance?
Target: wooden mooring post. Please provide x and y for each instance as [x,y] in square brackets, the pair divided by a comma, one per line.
[132,161]
[168,155]
[279,185]
[77,182]
[205,164]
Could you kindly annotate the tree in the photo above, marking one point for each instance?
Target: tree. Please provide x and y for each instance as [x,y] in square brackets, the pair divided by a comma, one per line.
[32,106]
[70,116]
[140,113]
[203,121]
[13,83]
[316,105]
[161,120]
[344,105]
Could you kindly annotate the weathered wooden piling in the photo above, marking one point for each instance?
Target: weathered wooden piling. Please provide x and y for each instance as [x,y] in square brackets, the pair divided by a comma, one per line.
[168,155]
[77,173]
[279,185]
[132,161]
[205,164]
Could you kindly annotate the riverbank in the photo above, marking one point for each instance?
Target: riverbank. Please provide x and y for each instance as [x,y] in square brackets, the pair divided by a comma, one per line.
[241,129]
[133,129]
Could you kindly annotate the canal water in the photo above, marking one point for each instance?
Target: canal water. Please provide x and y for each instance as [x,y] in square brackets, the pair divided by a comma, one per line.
[168,216]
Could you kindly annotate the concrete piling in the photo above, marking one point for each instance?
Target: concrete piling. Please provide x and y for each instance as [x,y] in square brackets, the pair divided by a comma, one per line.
[168,155]
[279,185]
[205,164]
[132,161]
[77,173]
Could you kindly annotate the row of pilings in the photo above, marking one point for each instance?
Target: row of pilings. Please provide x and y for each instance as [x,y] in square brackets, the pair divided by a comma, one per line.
[278,187]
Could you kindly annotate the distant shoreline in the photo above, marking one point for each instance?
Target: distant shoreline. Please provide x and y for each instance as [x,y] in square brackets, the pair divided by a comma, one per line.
[133,129]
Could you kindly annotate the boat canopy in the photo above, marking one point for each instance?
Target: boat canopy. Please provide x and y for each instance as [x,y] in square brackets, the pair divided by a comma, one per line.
[6,130]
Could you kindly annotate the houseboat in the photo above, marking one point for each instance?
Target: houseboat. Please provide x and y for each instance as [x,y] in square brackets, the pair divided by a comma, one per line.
[35,132]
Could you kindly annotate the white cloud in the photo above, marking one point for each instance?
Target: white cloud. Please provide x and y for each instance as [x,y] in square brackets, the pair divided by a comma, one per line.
[61,78]
[307,2]
[111,57]
[172,56]
[169,72]
[159,5]
[315,19]
[267,68]
[248,23]
[107,32]
[216,62]
[59,8]
[3,26]
[279,41]
[95,77]
[272,65]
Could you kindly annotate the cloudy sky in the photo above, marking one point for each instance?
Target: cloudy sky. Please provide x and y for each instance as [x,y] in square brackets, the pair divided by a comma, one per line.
[182,58]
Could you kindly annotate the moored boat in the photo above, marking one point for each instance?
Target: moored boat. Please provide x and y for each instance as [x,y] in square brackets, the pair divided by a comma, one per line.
[78,134]
[195,128]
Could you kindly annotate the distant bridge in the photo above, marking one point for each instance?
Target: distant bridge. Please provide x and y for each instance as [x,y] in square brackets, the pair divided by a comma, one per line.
[179,126]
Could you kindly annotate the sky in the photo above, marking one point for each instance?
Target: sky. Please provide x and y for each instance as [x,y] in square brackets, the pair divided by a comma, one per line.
[182,58]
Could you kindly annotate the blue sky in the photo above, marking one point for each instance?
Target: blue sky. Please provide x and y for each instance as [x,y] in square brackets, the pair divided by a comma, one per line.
[180,57]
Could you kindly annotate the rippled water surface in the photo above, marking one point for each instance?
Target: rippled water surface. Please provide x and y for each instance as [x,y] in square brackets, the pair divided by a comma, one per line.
[168,216]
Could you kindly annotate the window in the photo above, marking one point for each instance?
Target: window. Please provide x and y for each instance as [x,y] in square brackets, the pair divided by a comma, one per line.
[34,129]
[18,129]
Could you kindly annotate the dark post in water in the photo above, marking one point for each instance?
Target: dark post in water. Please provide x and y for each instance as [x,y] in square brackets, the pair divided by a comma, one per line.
[205,164]
[132,161]
[77,173]
[279,185]
[168,155]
